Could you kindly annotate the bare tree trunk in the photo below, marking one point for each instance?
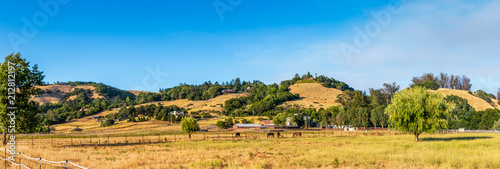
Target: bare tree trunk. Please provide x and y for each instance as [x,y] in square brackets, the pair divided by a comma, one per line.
[416,137]
[4,136]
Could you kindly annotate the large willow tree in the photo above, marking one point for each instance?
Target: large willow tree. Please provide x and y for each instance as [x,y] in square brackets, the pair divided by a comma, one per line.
[416,110]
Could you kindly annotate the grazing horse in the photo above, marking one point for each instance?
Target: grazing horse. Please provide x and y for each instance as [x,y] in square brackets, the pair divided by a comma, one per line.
[270,134]
[297,134]
[237,134]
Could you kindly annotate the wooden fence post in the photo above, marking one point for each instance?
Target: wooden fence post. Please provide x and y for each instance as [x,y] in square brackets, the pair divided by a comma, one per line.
[19,158]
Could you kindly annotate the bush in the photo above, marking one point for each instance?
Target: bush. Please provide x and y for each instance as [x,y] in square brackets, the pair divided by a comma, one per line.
[107,123]
[206,115]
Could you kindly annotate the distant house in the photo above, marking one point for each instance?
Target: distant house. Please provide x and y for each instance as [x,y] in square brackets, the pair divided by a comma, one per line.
[212,126]
[267,124]
[84,109]
[96,117]
[76,129]
[176,113]
[246,126]
[226,91]
[461,130]
[350,128]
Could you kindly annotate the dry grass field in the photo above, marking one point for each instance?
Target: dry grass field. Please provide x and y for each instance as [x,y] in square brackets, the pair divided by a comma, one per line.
[355,151]
[314,95]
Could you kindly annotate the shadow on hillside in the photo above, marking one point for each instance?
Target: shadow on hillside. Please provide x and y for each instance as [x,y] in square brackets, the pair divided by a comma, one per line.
[456,138]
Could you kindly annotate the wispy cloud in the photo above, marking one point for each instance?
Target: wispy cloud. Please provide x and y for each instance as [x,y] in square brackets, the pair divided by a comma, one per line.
[456,37]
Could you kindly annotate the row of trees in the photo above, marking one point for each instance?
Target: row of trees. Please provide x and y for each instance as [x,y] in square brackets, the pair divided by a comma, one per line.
[463,115]
[204,91]
[152,111]
[325,81]
[443,81]
[261,98]
[360,109]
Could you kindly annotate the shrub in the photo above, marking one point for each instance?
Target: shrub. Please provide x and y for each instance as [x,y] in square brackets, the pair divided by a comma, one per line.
[205,115]
[108,122]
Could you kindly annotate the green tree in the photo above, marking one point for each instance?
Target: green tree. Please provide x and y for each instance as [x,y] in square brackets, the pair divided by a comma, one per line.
[417,110]
[374,117]
[108,122]
[26,78]
[496,125]
[190,125]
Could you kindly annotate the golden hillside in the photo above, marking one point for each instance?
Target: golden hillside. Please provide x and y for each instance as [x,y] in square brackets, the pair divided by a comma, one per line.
[314,95]
[216,103]
[57,93]
[476,102]
[93,126]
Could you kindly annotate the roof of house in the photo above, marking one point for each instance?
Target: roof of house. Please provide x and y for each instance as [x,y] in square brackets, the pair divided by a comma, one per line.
[267,122]
[176,112]
[247,125]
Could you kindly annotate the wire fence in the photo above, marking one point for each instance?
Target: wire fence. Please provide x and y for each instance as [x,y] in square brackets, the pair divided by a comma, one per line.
[123,140]
[34,160]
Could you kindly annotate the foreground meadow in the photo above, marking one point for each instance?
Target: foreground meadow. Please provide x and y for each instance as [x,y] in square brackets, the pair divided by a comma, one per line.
[370,151]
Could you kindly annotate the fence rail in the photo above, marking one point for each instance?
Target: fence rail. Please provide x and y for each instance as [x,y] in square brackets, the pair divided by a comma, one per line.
[102,140]
[35,159]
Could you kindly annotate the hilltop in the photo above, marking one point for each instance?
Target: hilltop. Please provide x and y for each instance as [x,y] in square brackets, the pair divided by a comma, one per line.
[476,102]
[55,93]
[314,95]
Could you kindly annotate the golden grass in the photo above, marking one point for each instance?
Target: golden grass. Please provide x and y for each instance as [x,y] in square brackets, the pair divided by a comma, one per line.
[57,97]
[361,151]
[476,102]
[216,103]
[93,126]
[314,95]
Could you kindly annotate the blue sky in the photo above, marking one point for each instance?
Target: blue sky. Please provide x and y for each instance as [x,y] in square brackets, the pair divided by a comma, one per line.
[147,45]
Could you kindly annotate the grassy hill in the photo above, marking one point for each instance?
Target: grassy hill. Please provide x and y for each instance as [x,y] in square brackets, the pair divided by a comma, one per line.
[93,126]
[314,95]
[476,102]
[216,103]
[55,93]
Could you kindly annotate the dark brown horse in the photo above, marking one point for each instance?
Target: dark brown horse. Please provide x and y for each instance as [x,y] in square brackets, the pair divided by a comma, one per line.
[297,134]
[279,134]
[270,134]
[238,135]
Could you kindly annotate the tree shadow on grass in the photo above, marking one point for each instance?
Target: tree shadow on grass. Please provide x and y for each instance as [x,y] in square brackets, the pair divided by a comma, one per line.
[456,138]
